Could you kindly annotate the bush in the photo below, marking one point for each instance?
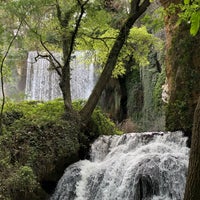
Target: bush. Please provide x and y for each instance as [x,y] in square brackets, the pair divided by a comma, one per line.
[38,144]
[23,180]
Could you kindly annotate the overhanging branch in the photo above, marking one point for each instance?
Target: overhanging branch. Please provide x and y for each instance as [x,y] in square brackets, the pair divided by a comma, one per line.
[46,48]
[52,57]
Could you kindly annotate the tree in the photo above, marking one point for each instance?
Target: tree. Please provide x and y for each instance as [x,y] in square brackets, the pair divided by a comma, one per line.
[191,14]
[192,191]
[8,42]
[64,25]
[182,69]
[183,63]
[135,12]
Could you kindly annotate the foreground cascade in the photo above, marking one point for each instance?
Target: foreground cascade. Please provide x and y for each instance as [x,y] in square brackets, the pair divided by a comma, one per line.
[134,166]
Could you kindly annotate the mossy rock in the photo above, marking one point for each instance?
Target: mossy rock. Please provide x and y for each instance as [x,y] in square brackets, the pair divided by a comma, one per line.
[39,143]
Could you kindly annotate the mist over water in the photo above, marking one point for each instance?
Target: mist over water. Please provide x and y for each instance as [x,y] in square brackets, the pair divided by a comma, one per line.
[134,166]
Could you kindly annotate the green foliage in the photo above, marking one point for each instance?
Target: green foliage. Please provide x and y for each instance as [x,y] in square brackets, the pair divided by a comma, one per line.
[157,93]
[23,180]
[186,2]
[195,23]
[51,110]
[137,46]
[37,141]
[191,14]
[102,124]
[154,21]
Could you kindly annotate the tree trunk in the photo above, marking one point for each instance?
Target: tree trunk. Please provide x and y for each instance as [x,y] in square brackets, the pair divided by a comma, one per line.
[182,69]
[68,44]
[192,191]
[87,110]
[65,77]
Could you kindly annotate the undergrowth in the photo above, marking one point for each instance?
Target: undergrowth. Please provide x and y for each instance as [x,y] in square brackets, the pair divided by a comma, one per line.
[38,143]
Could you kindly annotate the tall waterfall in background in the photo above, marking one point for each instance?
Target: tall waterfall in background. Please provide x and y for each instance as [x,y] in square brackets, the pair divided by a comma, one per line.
[136,166]
[42,83]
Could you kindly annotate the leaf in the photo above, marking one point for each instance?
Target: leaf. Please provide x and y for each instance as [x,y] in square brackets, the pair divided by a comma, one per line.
[195,21]
[186,2]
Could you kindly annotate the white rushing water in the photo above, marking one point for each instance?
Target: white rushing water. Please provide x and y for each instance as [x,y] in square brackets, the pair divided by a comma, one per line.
[134,166]
[42,83]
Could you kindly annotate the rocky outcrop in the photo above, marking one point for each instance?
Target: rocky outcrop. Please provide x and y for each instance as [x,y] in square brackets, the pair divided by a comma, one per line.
[182,70]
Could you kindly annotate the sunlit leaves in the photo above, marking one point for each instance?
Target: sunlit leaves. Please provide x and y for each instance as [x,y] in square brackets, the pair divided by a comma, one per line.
[195,22]
[186,2]
[103,44]
[191,14]
[138,47]
[96,33]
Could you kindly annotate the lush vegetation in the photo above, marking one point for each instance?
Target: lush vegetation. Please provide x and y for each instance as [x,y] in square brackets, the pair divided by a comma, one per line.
[38,143]
[51,26]
[38,140]
[191,14]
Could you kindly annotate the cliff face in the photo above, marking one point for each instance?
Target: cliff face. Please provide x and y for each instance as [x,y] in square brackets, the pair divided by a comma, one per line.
[136,98]
[182,70]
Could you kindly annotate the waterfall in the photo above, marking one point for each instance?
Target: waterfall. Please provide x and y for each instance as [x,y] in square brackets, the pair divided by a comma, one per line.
[134,166]
[42,83]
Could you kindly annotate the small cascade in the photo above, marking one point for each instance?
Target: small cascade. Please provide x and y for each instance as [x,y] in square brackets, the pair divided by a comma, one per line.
[42,83]
[134,166]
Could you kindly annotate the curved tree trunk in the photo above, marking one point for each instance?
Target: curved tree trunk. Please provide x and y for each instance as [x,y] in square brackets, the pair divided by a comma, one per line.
[192,191]
[136,11]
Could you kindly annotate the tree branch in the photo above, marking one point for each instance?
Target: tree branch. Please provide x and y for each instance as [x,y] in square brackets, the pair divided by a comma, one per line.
[46,48]
[77,25]
[101,39]
[51,56]
[92,101]
[1,72]
[135,5]
[58,11]
[50,59]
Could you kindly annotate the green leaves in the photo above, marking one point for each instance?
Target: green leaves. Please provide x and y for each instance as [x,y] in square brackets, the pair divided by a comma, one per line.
[186,2]
[137,47]
[191,13]
[195,23]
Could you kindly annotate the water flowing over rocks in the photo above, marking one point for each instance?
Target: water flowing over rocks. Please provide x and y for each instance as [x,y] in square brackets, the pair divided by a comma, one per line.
[134,166]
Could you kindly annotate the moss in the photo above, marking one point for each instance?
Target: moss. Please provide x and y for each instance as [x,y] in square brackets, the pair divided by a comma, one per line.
[157,92]
[102,125]
[184,75]
[38,144]
[135,100]
[23,181]
[145,106]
